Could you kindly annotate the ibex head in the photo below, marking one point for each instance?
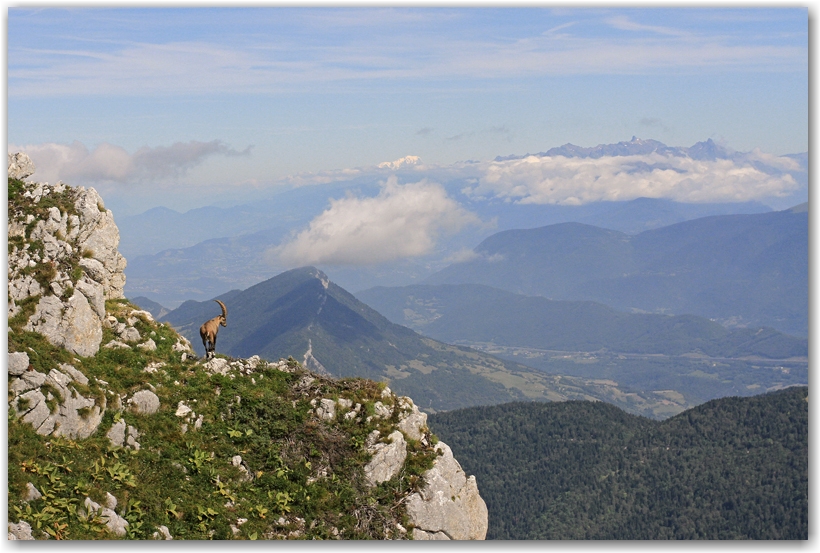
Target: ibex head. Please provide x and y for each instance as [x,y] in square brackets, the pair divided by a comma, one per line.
[223,319]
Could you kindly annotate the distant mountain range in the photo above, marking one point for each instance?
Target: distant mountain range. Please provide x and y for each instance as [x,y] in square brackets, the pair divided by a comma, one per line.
[470,313]
[301,314]
[205,270]
[160,244]
[161,228]
[657,305]
[707,150]
[743,270]
[684,357]
[211,267]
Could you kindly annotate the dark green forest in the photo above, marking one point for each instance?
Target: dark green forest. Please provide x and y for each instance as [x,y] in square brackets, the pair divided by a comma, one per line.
[732,468]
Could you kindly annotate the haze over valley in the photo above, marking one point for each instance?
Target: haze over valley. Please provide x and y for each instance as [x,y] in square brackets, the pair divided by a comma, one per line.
[278,253]
[653,304]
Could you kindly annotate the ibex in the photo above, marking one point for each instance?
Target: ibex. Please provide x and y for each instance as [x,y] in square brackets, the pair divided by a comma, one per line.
[209,330]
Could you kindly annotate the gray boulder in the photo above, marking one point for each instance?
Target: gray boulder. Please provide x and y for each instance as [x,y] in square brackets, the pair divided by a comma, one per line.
[32,493]
[162,533]
[131,438]
[20,531]
[130,334]
[123,435]
[387,460]
[144,402]
[326,409]
[148,345]
[18,363]
[117,344]
[114,522]
[20,166]
[72,325]
[116,435]
[217,365]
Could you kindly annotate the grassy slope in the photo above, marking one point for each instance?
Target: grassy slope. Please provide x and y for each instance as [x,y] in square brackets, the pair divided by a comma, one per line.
[186,480]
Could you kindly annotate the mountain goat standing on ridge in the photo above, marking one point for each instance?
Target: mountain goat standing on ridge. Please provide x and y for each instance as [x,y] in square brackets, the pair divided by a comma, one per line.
[209,330]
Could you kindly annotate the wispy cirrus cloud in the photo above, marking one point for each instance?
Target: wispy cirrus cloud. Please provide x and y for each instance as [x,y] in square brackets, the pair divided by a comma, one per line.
[625,23]
[398,46]
[75,162]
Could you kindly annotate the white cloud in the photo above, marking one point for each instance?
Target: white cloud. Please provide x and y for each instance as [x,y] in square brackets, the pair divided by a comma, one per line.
[401,221]
[575,181]
[406,161]
[110,163]
[309,178]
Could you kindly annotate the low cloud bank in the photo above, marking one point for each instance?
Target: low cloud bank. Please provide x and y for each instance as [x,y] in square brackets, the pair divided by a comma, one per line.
[557,179]
[110,163]
[401,221]
[576,181]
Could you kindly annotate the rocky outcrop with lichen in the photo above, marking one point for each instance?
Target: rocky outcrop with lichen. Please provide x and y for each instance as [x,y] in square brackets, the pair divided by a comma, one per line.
[63,259]
[119,430]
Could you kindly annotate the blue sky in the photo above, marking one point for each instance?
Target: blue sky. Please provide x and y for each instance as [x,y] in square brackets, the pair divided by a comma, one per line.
[175,106]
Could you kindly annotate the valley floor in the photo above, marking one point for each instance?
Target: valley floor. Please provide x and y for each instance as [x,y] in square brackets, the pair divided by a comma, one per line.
[680,381]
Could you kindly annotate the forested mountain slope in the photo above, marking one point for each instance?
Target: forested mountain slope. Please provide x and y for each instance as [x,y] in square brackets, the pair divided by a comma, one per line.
[732,468]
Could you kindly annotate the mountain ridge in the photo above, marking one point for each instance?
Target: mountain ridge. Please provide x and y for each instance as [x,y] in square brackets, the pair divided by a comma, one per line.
[302,311]
[478,313]
[752,269]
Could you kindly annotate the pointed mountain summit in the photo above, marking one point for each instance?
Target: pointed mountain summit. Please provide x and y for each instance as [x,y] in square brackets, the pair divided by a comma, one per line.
[302,314]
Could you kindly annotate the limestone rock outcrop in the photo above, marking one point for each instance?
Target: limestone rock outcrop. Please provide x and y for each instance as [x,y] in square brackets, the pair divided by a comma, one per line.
[52,405]
[65,256]
[20,166]
[449,506]
[388,458]
[71,324]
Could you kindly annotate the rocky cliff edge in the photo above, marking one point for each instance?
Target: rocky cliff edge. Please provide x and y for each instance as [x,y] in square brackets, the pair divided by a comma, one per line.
[118,430]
